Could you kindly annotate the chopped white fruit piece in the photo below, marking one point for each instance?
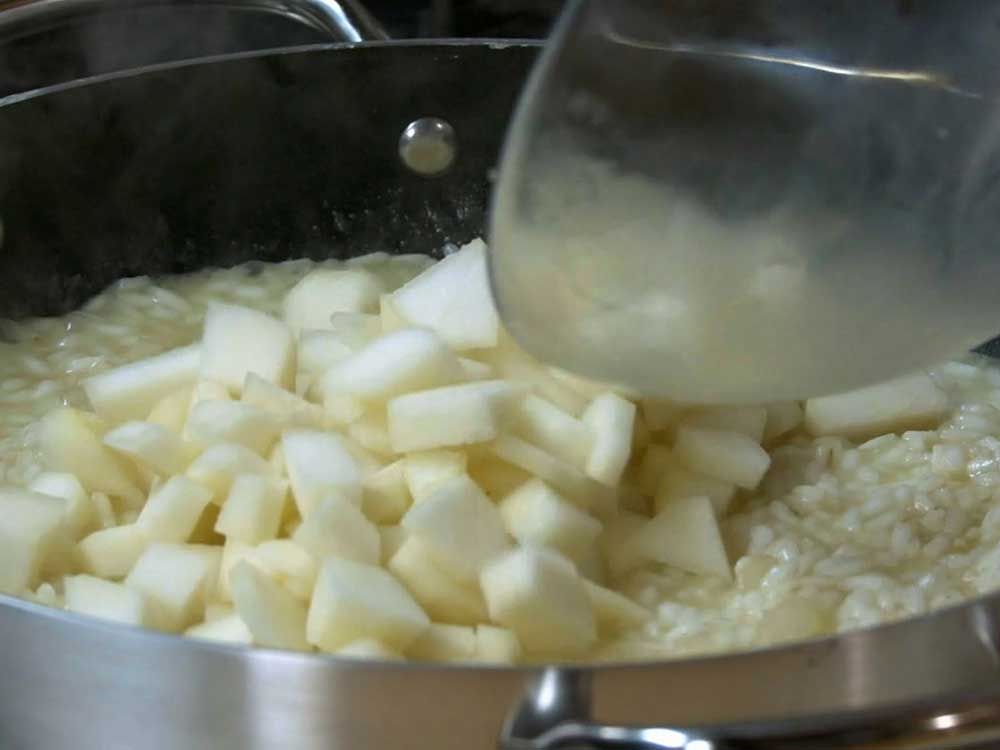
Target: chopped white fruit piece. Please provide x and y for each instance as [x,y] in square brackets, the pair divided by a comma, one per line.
[367,462]
[353,601]
[912,402]
[474,370]
[357,330]
[208,390]
[87,595]
[614,611]
[318,351]
[289,409]
[319,463]
[338,528]
[233,552]
[425,470]
[685,534]
[368,648]
[660,415]
[611,420]
[496,478]
[173,510]
[441,642]
[679,481]
[176,580]
[497,645]
[213,422]
[130,391]
[79,512]
[274,616]
[252,511]
[151,446]
[342,410]
[460,525]
[512,363]
[371,433]
[539,595]
[748,420]
[453,297]
[104,510]
[218,610]
[782,418]
[238,340]
[384,494]
[288,564]
[568,480]
[407,360]
[390,317]
[451,416]
[554,430]
[112,552]
[71,442]
[616,542]
[392,538]
[652,467]
[220,464]
[443,598]
[171,411]
[729,456]
[535,514]
[321,293]
[228,629]
[32,528]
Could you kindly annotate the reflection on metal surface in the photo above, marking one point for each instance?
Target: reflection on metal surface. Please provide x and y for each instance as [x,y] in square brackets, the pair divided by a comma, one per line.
[428,146]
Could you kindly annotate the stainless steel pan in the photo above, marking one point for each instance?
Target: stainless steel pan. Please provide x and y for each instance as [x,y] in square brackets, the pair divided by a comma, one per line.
[294,153]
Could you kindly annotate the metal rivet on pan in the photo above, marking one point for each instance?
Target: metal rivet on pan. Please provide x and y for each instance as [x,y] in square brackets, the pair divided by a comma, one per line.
[428,146]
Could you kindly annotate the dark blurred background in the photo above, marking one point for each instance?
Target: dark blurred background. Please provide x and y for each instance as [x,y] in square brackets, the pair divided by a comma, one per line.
[84,38]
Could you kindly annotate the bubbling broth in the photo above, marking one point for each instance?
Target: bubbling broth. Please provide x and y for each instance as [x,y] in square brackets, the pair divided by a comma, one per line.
[354,457]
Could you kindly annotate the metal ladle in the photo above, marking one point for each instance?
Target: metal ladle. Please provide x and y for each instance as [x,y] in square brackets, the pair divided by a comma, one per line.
[729,202]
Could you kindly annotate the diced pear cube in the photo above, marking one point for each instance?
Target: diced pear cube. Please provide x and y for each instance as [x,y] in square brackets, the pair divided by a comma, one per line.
[368,648]
[611,420]
[218,610]
[747,420]
[233,553]
[460,525]
[539,595]
[323,292]
[80,516]
[443,597]
[319,463]
[87,595]
[150,446]
[384,494]
[173,510]
[911,402]
[425,470]
[272,614]
[453,298]
[475,370]
[392,539]
[353,601]
[220,464]
[208,390]
[228,629]
[615,612]
[130,391]
[237,422]
[318,351]
[289,409]
[337,528]
[496,478]
[112,552]
[171,411]
[568,480]
[341,410]
[390,317]
[104,510]
[238,340]
[371,433]
[32,527]
[451,416]
[71,442]
[679,481]
[252,512]
[554,430]
[175,579]
[782,418]
[444,643]
[497,645]
[288,564]
[535,514]
[356,329]
[685,534]
[616,542]
[407,360]
[728,456]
